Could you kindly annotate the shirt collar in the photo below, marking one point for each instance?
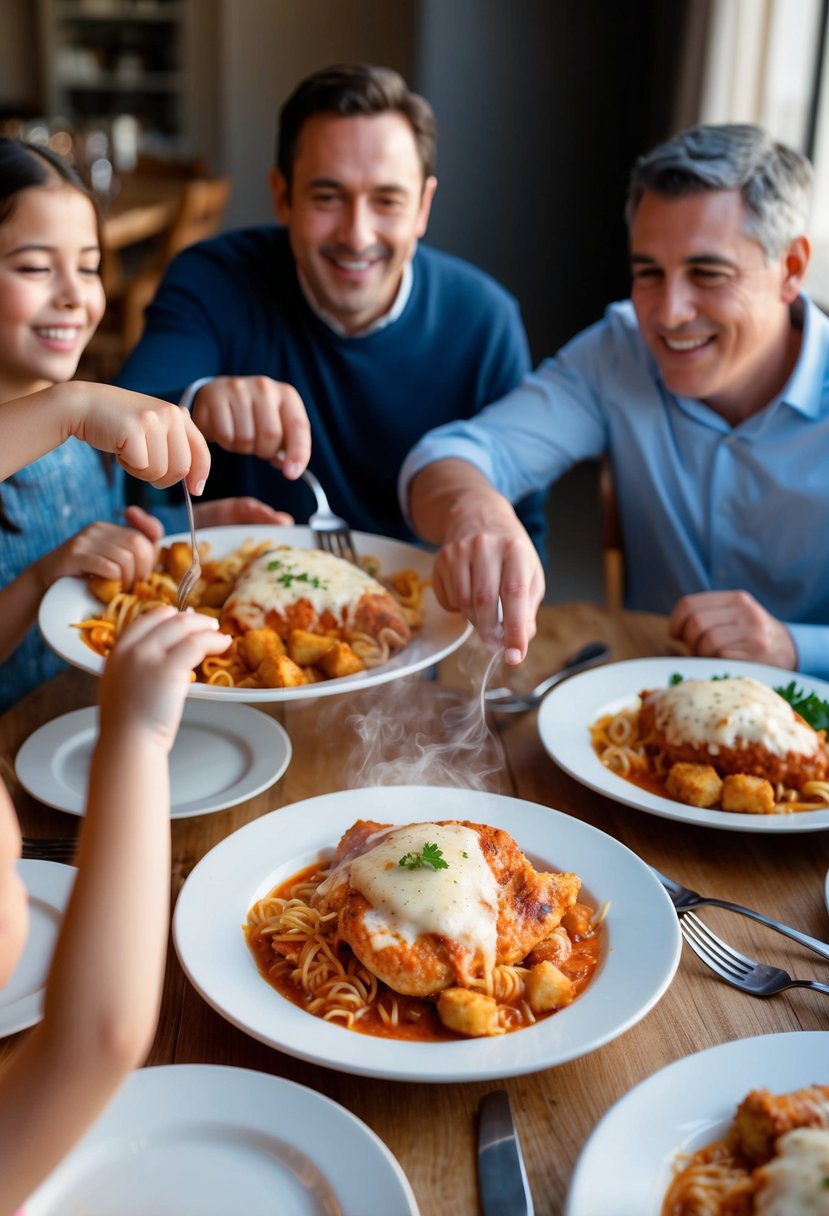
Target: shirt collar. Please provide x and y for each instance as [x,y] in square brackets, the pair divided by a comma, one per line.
[398,304]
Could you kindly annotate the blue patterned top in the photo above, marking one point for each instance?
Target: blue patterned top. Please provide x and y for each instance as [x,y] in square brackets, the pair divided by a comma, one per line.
[50,501]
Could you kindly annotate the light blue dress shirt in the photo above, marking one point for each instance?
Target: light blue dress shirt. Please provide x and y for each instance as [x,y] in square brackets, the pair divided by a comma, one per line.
[703,505]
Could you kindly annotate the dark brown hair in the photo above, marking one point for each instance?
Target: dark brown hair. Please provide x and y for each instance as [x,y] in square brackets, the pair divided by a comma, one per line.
[350,90]
[25,166]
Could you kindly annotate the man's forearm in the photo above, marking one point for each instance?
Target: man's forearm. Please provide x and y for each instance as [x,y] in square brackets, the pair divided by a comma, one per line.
[449,498]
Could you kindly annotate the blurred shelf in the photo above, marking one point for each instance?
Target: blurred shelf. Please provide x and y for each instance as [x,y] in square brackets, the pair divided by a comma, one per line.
[101,59]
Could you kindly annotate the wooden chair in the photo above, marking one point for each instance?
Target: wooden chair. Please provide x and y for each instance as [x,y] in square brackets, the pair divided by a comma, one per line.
[199,216]
[613,561]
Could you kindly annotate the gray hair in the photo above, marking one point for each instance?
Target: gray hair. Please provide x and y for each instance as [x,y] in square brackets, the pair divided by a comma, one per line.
[775,181]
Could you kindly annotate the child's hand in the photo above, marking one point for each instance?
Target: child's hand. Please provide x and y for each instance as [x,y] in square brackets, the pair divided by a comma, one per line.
[151,439]
[105,550]
[147,675]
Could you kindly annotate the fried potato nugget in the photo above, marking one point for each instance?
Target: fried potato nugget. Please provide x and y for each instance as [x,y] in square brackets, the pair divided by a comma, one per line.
[548,988]
[259,644]
[470,1013]
[105,589]
[694,784]
[340,660]
[306,648]
[751,795]
[176,559]
[278,671]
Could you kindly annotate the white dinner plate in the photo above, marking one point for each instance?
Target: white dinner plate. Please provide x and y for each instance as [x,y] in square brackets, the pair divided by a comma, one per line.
[567,713]
[49,885]
[222,755]
[627,1163]
[69,601]
[207,1140]
[215,899]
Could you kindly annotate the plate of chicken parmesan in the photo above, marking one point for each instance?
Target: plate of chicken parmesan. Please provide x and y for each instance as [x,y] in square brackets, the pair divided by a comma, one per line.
[423,933]
[304,623]
[714,742]
[743,1126]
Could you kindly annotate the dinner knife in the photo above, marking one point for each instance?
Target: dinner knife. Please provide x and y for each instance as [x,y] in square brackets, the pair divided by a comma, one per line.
[502,1178]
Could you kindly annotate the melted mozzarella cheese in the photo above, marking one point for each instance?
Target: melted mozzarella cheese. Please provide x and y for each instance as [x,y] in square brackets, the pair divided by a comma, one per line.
[281,577]
[728,712]
[796,1181]
[459,903]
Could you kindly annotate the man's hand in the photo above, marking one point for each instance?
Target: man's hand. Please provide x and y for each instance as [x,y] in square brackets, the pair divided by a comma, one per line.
[731,625]
[473,573]
[241,510]
[256,416]
[486,554]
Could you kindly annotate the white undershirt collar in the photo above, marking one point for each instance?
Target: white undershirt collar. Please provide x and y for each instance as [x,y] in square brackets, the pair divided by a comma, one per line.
[399,303]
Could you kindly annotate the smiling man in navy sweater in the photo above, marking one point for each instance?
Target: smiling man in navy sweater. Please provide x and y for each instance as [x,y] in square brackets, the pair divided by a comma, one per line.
[334,333]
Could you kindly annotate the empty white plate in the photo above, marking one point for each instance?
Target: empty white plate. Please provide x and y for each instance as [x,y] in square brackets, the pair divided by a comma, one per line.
[207,1140]
[222,755]
[49,885]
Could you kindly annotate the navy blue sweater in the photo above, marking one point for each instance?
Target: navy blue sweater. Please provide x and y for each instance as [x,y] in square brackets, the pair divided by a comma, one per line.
[233,306]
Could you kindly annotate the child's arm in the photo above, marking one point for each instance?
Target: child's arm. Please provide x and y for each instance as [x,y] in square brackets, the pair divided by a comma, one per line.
[151,439]
[105,983]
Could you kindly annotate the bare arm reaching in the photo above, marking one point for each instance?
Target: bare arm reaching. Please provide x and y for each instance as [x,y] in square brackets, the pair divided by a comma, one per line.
[104,987]
[151,439]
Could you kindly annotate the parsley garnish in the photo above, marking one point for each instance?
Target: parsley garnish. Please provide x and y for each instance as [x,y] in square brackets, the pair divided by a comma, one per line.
[808,705]
[291,576]
[431,856]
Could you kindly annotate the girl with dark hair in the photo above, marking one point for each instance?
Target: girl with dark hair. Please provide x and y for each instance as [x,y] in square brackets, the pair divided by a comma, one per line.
[58,512]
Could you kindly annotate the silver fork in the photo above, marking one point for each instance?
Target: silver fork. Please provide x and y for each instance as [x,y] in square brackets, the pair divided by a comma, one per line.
[747,974]
[683,899]
[193,572]
[48,849]
[505,700]
[333,534]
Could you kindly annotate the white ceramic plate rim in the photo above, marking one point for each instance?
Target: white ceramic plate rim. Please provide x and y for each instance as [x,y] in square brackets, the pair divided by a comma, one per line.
[50,883]
[568,711]
[627,1163]
[68,601]
[248,863]
[37,761]
[153,1102]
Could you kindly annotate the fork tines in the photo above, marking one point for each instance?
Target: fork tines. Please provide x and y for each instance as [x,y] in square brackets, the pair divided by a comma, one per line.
[712,949]
[339,543]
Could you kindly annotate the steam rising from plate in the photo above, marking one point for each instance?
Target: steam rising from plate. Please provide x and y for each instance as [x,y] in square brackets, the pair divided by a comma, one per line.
[449,744]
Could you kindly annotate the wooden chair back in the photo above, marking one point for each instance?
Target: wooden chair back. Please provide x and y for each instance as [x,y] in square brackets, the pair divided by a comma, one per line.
[613,559]
[199,216]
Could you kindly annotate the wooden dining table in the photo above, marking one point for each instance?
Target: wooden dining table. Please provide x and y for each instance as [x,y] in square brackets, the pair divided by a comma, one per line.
[431,1128]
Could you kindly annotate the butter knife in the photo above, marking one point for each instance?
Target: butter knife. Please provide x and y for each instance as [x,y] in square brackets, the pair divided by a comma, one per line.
[502,1178]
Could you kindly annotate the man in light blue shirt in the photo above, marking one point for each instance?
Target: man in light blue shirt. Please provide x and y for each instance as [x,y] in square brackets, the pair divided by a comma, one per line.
[709,393]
